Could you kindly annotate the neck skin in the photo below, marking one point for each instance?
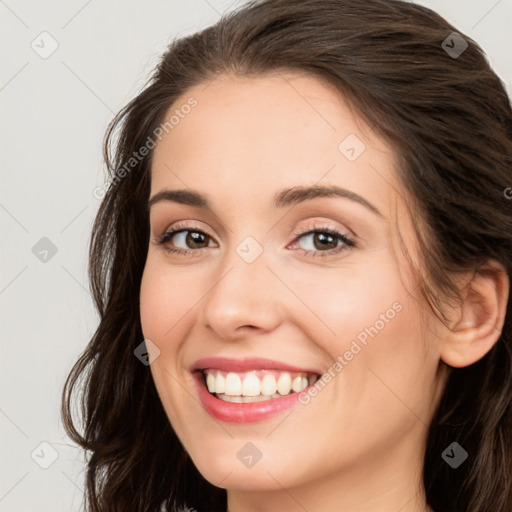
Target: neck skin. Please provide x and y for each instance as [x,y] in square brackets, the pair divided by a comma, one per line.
[389,481]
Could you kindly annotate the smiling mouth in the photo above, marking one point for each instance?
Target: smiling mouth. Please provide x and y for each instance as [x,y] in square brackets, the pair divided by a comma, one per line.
[255,385]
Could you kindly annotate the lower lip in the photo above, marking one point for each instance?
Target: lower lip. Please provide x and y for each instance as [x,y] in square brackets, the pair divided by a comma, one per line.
[241,412]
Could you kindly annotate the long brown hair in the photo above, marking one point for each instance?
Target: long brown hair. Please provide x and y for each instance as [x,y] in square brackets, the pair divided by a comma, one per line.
[449,120]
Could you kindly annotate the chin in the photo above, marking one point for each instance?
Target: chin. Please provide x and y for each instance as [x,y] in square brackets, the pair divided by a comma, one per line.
[228,472]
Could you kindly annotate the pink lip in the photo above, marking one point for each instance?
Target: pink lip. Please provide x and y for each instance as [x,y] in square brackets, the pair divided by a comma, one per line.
[240,412]
[244,365]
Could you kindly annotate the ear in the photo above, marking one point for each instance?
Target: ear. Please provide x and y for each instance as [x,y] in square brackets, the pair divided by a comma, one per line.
[476,323]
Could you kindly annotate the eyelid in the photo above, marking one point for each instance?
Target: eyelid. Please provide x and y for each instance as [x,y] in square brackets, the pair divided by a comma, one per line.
[322,225]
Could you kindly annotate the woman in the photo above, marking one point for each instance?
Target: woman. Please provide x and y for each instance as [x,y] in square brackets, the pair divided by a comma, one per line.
[302,269]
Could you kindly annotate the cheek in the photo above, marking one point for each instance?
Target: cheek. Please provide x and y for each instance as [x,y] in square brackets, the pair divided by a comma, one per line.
[365,315]
[153,303]
[344,302]
[165,298]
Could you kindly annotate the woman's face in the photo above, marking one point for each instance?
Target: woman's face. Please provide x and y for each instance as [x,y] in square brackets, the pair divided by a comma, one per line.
[254,284]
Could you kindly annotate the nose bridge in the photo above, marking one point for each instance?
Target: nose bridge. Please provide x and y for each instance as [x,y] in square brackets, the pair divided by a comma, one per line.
[245,292]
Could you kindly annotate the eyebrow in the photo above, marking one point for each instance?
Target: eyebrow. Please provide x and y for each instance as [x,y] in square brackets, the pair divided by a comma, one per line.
[283,198]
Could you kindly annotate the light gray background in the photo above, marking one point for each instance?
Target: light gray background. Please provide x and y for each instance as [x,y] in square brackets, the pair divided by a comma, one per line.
[53,118]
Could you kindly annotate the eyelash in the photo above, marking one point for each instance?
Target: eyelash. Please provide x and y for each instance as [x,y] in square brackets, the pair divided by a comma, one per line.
[348,242]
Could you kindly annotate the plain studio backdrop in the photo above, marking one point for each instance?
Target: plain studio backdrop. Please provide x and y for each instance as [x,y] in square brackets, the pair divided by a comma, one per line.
[67,67]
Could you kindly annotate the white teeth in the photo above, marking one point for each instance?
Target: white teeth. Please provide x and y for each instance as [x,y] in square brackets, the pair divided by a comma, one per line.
[299,383]
[243,399]
[268,385]
[251,385]
[256,385]
[210,382]
[220,383]
[233,384]
[284,383]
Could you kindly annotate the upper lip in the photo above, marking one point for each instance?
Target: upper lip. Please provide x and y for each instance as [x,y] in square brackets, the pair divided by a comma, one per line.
[247,364]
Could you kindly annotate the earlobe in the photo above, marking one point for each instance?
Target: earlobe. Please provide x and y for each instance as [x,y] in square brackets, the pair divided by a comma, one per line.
[477,322]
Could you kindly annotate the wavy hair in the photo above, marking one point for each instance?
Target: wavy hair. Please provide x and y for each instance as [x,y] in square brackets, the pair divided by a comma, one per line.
[449,121]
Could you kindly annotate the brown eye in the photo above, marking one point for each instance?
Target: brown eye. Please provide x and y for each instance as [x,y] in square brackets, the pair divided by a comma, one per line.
[322,241]
[183,239]
[194,239]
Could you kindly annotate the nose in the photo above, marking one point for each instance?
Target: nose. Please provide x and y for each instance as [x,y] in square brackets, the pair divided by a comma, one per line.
[244,298]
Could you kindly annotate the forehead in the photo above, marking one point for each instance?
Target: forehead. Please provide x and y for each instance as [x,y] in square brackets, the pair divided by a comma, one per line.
[247,137]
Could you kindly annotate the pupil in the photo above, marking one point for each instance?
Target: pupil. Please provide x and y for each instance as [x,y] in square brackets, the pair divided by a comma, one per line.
[323,237]
[194,237]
